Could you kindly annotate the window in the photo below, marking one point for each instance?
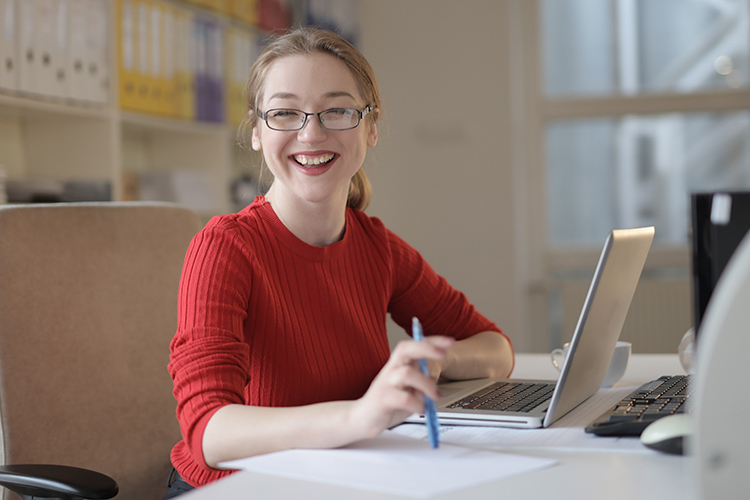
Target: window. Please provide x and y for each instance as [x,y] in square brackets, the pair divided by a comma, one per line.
[625,170]
[640,102]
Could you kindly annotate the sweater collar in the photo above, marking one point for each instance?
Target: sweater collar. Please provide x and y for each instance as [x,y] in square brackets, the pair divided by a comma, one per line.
[296,245]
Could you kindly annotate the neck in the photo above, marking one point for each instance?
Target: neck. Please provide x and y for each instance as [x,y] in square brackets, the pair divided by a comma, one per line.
[316,223]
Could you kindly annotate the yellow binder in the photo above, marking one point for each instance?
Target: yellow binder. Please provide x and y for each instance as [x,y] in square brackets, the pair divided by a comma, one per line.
[144,78]
[128,53]
[158,63]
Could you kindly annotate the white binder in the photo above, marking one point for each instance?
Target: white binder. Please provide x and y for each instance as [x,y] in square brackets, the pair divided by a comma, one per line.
[27,56]
[44,41]
[8,46]
[60,48]
[76,59]
[98,57]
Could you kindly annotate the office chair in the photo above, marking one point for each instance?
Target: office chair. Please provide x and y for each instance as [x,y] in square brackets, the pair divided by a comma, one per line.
[88,306]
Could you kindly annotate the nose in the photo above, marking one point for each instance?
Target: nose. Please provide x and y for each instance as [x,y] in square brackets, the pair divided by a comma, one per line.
[312,131]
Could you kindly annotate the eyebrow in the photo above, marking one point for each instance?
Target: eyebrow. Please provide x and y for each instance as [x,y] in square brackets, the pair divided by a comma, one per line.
[329,95]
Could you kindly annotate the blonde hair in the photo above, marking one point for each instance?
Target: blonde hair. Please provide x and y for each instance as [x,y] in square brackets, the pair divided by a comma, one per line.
[310,41]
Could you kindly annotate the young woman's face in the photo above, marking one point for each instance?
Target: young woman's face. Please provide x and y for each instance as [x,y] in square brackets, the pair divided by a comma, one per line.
[313,164]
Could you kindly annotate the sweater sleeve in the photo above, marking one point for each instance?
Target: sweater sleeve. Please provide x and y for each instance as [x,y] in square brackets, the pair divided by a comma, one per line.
[419,291]
[209,356]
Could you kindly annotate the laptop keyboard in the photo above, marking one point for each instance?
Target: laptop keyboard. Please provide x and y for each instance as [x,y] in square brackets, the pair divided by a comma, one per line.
[667,395]
[507,396]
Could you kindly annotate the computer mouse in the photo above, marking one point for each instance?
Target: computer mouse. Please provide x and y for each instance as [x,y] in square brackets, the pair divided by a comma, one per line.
[668,434]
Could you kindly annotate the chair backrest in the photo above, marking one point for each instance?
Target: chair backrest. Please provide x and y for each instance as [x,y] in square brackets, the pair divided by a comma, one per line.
[88,306]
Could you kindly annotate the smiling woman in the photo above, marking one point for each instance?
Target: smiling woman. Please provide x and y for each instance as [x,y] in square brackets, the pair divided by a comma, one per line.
[281,340]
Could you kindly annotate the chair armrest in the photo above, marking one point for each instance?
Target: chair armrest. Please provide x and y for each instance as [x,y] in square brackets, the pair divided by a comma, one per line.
[57,482]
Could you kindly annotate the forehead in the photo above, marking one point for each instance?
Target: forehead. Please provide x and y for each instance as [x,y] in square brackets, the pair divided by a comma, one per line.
[307,77]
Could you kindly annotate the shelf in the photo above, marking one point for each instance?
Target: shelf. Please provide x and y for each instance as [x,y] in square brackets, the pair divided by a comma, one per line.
[22,105]
[139,121]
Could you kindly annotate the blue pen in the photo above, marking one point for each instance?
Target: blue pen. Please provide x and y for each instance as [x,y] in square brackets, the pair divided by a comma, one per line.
[433,426]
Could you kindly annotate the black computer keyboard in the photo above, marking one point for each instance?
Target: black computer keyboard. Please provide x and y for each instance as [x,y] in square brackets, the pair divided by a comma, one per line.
[507,396]
[664,396]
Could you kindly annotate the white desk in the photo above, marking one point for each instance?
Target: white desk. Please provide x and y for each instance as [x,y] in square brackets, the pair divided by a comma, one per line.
[578,475]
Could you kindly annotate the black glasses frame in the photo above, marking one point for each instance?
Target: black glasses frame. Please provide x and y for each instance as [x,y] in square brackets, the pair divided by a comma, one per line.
[360,114]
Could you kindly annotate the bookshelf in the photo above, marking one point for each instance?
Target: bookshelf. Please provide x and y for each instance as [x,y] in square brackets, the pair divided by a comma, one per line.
[61,139]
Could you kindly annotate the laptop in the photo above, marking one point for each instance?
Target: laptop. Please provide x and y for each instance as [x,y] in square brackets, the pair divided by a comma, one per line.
[539,403]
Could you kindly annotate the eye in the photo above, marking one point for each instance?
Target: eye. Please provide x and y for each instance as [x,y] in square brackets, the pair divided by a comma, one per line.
[338,113]
[283,113]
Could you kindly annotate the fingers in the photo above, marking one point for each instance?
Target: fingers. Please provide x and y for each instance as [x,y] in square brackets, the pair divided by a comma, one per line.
[411,379]
[405,400]
[402,370]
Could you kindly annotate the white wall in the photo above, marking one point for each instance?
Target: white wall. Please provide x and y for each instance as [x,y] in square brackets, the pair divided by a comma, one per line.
[442,172]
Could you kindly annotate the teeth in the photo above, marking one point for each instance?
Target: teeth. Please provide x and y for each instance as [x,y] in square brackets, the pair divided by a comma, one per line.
[313,160]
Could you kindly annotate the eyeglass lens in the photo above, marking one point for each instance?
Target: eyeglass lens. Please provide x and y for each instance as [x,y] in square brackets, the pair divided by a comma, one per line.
[331,119]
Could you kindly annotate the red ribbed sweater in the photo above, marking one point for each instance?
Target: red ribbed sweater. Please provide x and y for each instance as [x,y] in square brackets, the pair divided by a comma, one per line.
[265,319]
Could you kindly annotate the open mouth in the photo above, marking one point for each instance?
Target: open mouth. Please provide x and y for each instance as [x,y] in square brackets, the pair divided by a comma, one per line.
[311,161]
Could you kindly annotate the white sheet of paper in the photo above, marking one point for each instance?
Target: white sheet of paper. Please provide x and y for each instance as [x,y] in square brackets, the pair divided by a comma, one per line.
[396,464]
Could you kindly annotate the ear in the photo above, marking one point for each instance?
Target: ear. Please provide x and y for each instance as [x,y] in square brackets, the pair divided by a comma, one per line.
[255,139]
[372,135]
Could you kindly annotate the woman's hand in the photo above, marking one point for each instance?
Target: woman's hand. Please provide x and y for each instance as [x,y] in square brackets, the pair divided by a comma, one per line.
[399,388]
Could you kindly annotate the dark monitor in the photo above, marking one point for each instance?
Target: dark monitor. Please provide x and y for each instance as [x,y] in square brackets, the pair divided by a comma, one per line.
[719,222]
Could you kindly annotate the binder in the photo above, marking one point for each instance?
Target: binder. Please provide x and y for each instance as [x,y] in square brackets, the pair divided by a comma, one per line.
[170,56]
[60,48]
[127,53]
[27,56]
[156,70]
[144,51]
[184,88]
[76,57]
[44,41]
[199,33]
[209,76]
[8,45]
[97,52]
[215,68]
[232,39]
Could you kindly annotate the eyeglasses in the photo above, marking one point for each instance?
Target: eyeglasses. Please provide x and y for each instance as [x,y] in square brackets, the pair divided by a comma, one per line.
[288,120]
